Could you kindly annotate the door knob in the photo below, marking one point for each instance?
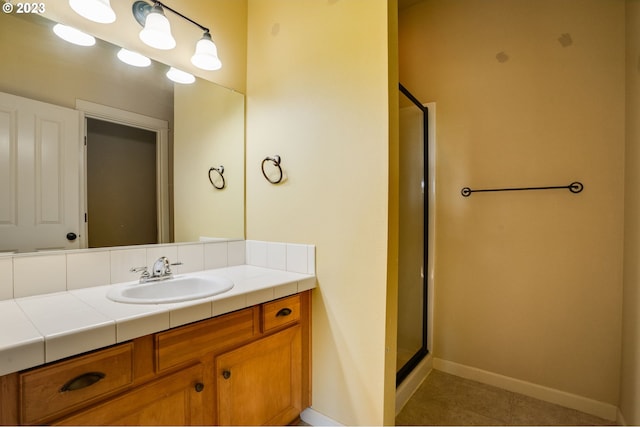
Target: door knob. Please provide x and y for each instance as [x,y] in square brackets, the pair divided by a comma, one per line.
[71,236]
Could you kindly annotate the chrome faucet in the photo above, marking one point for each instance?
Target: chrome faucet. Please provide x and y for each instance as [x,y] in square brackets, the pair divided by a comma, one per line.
[161,270]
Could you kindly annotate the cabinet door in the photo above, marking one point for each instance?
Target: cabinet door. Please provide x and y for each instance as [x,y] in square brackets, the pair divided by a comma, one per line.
[261,382]
[177,399]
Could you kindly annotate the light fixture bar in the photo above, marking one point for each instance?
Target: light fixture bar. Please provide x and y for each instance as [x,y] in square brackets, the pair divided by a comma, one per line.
[157,33]
[141,8]
[205,29]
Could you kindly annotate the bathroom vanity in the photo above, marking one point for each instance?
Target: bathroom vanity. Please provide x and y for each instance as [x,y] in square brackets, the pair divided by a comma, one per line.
[247,367]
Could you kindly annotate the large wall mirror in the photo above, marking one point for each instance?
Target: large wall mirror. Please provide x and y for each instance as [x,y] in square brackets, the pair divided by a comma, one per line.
[125,112]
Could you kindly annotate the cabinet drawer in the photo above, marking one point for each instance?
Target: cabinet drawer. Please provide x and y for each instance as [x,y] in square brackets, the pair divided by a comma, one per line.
[57,388]
[280,312]
[190,342]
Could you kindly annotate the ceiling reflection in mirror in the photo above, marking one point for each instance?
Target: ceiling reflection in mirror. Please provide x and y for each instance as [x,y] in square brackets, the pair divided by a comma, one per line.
[205,122]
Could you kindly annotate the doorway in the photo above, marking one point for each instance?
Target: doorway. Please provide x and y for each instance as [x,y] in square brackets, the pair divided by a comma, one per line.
[416,232]
[121,185]
[112,123]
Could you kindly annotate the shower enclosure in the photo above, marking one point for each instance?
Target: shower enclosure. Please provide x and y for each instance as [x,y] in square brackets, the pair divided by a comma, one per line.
[413,256]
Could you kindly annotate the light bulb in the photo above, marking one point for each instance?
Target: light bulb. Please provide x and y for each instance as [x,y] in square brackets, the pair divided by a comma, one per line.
[94,10]
[206,54]
[180,76]
[74,36]
[157,30]
[133,58]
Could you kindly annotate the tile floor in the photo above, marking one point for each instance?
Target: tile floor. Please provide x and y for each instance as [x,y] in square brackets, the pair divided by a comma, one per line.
[445,399]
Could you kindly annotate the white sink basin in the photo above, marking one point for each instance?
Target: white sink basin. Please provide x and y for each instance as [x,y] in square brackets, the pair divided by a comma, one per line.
[172,290]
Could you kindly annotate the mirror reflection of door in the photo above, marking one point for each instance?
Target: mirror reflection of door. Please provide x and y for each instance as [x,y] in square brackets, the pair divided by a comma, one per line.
[121,185]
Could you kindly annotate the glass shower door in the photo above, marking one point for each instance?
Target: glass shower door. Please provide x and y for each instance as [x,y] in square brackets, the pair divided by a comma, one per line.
[412,255]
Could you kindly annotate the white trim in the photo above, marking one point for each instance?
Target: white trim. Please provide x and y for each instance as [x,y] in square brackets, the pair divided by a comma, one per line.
[410,384]
[315,418]
[431,244]
[559,397]
[161,128]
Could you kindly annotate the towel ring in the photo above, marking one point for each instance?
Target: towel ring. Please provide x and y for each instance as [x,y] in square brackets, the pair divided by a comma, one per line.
[276,161]
[220,171]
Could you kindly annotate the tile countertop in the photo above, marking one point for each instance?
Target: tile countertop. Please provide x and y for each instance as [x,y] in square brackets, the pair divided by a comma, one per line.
[44,328]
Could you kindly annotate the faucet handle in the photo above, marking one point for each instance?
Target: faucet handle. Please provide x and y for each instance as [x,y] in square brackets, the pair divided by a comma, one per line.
[171,265]
[144,270]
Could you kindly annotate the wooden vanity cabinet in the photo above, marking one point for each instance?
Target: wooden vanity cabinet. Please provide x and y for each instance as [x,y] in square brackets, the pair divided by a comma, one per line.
[249,367]
[177,399]
[260,383]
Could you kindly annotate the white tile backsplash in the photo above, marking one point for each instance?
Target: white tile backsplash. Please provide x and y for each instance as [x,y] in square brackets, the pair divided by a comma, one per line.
[6,278]
[28,275]
[277,256]
[39,274]
[256,253]
[88,269]
[122,260]
[155,252]
[236,253]
[215,255]
[311,263]
[192,258]
[297,258]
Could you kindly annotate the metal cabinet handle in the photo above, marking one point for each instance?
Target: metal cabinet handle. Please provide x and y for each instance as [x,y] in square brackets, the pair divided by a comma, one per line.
[199,387]
[82,381]
[284,312]
[226,374]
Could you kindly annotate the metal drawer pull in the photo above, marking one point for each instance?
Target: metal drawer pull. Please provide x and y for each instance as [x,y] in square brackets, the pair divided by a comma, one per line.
[199,387]
[284,312]
[226,374]
[82,381]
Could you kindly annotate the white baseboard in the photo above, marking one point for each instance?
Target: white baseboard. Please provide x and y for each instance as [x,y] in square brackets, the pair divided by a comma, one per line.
[411,383]
[573,401]
[315,418]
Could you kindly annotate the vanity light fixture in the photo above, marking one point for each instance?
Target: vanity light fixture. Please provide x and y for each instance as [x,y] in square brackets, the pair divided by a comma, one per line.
[74,36]
[156,32]
[94,10]
[206,55]
[133,58]
[180,76]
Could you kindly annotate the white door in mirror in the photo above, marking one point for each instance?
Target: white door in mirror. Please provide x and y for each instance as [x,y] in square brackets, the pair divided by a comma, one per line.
[40,148]
[178,289]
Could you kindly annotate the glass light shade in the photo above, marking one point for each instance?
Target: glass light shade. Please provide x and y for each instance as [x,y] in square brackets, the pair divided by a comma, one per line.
[94,10]
[133,58]
[180,76]
[74,36]
[206,55]
[157,30]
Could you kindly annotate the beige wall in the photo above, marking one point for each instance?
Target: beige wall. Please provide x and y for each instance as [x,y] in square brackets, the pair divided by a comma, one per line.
[318,95]
[630,373]
[527,284]
[209,132]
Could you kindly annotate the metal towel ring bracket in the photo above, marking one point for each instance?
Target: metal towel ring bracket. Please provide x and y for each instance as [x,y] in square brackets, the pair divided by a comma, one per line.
[220,171]
[276,162]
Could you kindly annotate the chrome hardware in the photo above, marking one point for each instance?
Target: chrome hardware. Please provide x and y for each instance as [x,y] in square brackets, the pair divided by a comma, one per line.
[161,270]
